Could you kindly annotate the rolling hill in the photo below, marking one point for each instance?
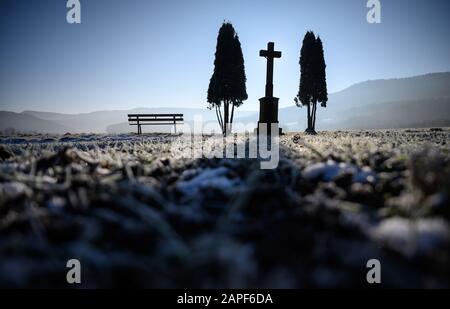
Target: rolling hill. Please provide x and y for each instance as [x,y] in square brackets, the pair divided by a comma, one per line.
[420,101]
[10,121]
[394,103]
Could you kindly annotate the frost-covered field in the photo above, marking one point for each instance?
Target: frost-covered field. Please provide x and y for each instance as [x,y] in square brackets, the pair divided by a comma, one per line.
[135,213]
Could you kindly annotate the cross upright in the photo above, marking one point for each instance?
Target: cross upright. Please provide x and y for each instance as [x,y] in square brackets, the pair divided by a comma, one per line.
[269,54]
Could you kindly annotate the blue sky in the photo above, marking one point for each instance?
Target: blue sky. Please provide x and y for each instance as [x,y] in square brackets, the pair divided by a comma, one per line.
[136,53]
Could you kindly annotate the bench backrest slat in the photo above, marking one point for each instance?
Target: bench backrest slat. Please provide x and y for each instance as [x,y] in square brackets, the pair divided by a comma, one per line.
[165,117]
[153,120]
[155,115]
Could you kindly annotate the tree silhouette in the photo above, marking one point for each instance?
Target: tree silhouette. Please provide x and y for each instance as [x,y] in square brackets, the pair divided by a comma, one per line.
[227,84]
[313,85]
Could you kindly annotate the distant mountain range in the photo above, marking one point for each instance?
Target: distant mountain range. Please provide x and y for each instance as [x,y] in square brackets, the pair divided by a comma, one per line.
[14,122]
[421,101]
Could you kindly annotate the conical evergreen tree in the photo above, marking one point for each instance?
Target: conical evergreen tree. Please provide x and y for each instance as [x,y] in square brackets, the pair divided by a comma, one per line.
[313,85]
[227,84]
[306,89]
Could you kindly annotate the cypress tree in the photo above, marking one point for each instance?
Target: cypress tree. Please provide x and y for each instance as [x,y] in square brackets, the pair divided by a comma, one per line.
[227,84]
[313,87]
[306,89]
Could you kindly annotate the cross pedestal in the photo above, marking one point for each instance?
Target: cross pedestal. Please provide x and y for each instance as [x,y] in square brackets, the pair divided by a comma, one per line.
[268,106]
[268,110]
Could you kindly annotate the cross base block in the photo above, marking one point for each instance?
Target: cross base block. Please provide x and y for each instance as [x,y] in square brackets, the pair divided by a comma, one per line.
[268,112]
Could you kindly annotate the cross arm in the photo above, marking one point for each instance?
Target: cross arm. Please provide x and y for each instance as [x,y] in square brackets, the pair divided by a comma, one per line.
[272,54]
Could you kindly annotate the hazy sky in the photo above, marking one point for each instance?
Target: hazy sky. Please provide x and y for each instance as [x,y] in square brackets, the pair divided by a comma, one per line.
[160,53]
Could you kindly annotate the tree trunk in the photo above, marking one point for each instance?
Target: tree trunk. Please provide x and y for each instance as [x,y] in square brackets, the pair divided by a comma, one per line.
[232,116]
[219,117]
[226,108]
[309,117]
[313,127]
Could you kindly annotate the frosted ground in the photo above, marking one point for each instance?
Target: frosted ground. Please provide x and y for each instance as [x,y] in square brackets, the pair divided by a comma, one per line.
[136,213]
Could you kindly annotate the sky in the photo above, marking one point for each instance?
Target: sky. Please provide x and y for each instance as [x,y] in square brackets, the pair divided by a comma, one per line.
[160,53]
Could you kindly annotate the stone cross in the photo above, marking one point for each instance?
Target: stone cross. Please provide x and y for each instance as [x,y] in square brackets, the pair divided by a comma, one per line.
[268,106]
[270,54]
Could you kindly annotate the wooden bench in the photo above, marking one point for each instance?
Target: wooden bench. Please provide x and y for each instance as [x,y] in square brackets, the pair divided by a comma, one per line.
[154,119]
